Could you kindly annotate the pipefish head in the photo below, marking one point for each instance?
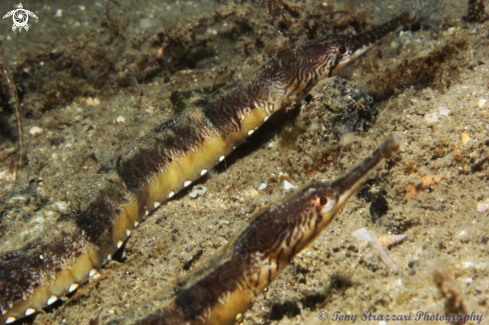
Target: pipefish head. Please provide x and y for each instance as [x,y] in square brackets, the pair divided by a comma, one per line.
[316,205]
[331,196]
[337,51]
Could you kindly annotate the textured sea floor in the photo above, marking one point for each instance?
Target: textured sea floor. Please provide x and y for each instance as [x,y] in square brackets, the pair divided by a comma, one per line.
[430,86]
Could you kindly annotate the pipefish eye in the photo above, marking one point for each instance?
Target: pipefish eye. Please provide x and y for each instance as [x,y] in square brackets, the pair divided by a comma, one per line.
[342,50]
[324,203]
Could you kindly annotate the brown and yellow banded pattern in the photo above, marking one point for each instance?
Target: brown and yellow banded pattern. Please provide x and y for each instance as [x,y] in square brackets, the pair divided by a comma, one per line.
[230,282]
[177,153]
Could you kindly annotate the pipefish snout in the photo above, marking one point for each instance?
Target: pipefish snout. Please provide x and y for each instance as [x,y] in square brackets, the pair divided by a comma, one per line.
[231,281]
[177,153]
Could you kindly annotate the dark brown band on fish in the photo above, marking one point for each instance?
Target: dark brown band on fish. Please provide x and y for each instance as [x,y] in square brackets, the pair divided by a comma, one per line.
[171,158]
[237,275]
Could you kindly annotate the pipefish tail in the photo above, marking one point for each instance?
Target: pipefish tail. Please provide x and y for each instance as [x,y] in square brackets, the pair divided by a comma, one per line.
[176,153]
[230,282]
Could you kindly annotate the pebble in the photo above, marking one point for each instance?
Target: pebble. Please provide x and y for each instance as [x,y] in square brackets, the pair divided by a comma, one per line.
[197,191]
[483,206]
[288,186]
[36,130]
[444,111]
[92,101]
[465,138]
[482,103]
[120,119]
[262,187]
[59,13]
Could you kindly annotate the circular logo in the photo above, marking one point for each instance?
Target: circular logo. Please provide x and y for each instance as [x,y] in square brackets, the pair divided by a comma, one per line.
[323,316]
[20,18]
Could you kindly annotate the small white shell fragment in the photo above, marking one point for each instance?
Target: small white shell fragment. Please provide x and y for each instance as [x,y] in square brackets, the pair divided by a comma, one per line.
[187,183]
[73,287]
[120,119]
[36,130]
[462,233]
[156,204]
[481,103]
[136,224]
[483,206]
[250,132]
[59,13]
[170,195]
[109,257]
[119,243]
[288,186]
[197,191]
[10,320]
[203,172]
[444,111]
[128,232]
[221,158]
[262,187]
[362,234]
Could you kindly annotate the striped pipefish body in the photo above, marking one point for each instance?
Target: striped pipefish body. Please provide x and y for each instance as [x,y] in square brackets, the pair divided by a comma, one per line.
[177,153]
[230,282]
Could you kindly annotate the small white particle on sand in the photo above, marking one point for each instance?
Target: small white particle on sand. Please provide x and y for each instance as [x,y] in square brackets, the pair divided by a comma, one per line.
[262,187]
[362,234]
[197,191]
[482,103]
[36,130]
[483,206]
[59,13]
[467,265]
[90,101]
[432,118]
[444,111]
[288,186]
[120,119]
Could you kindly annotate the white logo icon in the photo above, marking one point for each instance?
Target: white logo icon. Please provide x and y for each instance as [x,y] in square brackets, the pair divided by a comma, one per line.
[20,17]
